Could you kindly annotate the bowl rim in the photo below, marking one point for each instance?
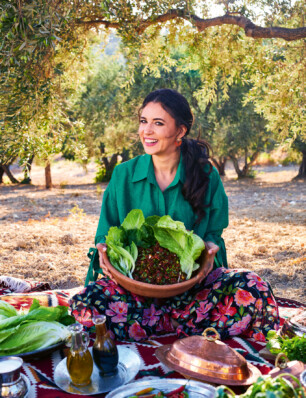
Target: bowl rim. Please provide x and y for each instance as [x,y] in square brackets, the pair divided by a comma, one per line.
[189,282]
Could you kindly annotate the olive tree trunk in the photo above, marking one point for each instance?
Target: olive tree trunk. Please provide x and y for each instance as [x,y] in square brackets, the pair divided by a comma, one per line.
[302,169]
[48,178]
[7,171]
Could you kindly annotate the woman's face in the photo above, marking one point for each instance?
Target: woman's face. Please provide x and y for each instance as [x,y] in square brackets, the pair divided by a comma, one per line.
[158,131]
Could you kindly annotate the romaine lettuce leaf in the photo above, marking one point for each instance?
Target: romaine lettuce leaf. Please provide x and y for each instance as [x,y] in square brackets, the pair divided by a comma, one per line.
[121,258]
[134,220]
[40,313]
[173,236]
[7,310]
[30,336]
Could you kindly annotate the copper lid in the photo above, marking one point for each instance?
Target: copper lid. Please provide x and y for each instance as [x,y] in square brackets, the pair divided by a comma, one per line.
[207,358]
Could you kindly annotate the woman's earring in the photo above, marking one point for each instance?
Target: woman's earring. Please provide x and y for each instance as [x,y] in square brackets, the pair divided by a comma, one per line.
[178,142]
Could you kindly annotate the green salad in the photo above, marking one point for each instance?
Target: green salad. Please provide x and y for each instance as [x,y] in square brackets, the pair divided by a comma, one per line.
[137,231]
[267,387]
[294,348]
[41,327]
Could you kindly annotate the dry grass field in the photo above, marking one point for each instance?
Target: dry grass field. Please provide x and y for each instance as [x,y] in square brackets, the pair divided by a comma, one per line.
[45,235]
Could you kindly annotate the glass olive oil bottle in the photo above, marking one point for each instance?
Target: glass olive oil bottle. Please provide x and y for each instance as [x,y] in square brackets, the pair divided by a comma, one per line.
[79,359]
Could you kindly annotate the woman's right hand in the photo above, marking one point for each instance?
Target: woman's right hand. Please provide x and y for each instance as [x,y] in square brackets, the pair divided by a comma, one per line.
[102,260]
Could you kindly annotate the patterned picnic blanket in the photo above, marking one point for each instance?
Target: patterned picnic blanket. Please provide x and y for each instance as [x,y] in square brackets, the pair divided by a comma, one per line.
[41,371]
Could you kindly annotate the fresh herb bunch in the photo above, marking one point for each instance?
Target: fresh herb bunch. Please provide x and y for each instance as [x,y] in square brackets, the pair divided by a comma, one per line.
[267,387]
[294,348]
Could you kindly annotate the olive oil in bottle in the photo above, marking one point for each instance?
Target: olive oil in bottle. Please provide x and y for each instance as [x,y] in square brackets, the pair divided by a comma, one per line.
[104,350]
[79,359]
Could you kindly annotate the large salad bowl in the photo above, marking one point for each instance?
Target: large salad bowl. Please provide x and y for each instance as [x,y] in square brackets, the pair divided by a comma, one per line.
[156,291]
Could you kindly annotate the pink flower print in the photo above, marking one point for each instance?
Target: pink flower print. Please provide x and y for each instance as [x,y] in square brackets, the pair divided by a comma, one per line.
[136,332]
[255,279]
[109,288]
[240,326]
[83,315]
[190,324]
[258,305]
[217,285]
[165,324]
[185,314]
[202,295]
[202,311]
[150,316]
[221,311]
[214,275]
[259,337]
[243,297]
[118,311]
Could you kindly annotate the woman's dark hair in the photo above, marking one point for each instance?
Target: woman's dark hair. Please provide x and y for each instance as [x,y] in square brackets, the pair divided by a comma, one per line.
[195,153]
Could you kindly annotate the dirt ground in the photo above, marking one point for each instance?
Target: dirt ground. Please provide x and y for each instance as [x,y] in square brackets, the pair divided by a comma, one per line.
[45,235]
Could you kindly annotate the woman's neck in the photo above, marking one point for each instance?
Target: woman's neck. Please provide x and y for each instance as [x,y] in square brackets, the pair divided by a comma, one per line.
[165,169]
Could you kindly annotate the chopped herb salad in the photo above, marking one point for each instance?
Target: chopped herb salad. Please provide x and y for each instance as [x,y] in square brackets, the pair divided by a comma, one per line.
[155,249]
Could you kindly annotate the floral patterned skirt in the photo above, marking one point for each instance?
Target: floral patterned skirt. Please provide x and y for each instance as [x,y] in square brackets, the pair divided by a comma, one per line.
[234,302]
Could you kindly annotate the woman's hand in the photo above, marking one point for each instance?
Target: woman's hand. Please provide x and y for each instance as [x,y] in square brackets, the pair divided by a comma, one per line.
[208,259]
[102,260]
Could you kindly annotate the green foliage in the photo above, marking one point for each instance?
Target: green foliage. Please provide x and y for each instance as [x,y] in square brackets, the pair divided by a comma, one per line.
[239,132]
[38,45]
[42,66]
[294,348]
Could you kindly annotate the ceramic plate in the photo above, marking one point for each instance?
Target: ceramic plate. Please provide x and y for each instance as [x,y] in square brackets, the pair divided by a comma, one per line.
[195,389]
[128,367]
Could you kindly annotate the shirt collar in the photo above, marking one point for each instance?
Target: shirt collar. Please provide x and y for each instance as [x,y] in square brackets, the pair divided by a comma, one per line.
[144,169]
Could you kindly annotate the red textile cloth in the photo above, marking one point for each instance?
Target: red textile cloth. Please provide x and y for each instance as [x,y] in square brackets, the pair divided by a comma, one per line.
[41,371]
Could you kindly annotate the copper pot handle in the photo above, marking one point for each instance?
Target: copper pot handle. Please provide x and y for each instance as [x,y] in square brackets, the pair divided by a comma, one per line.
[214,337]
[278,363]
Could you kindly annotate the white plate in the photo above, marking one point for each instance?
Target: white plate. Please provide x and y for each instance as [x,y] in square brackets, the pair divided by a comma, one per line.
[195,389]
[128,367]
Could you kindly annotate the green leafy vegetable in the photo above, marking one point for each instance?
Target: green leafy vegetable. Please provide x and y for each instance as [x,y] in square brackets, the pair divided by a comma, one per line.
[173,236]
[136,231]
[30,336]
[39,328]
[267,387]
[294,348]
[6,310]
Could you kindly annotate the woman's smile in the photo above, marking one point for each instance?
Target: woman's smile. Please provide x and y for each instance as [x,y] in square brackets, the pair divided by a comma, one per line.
[158,130]
[150,141]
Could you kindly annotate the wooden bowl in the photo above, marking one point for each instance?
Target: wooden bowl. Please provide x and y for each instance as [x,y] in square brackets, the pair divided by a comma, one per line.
[155,291]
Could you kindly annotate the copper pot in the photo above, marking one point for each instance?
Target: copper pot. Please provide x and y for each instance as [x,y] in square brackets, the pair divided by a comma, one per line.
[206,358]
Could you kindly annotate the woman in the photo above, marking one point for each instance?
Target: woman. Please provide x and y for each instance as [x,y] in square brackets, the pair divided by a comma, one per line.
[175,177]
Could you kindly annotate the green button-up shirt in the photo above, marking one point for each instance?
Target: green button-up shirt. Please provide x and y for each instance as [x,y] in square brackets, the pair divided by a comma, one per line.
[133,186]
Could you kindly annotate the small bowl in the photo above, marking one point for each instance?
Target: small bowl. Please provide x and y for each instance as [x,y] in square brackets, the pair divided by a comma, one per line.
[155,291]
[12,385]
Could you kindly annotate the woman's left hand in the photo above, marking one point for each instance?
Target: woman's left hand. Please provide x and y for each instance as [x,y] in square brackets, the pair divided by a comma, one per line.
[209,256]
